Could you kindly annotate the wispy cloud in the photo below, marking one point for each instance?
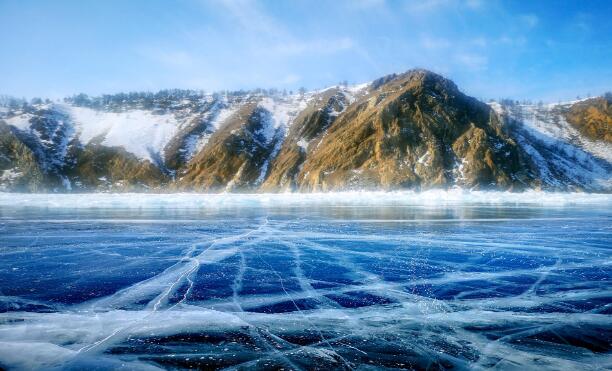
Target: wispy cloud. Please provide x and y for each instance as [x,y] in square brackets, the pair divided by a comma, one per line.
[529,20]
[474,4]
[368,4]
[249,16]
[168,57]
[289,79]
[267,35]
[480,41]
[241,44]
[430,6]
[317,46]
[434,43]
[519,40]
[471,60]
[581,23]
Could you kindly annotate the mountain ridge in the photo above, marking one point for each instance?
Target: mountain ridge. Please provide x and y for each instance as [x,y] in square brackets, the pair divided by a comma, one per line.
[414,130]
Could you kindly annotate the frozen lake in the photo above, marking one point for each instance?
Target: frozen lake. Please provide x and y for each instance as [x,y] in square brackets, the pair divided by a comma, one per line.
[348,281]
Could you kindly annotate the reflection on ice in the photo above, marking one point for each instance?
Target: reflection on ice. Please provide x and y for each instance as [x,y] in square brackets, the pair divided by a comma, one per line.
[334,287]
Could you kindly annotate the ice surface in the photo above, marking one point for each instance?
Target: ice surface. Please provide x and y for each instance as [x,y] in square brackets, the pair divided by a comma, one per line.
[365,198]
[438,280]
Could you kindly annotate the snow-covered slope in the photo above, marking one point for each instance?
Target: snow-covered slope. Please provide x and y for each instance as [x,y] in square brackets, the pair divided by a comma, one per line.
[48,132]
[561,155]
[282,113]
[197,130]
[139,132]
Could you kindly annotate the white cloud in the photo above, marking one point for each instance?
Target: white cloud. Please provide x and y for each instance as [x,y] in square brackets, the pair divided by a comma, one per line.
[474,4]
[252,19]
[471,60]
[433,43]
[511,41]
[529,20]
[168,57]
[368,4]
[290,79]
[480,41]
[428,6]
[318,46]
[581,23]
[266,35]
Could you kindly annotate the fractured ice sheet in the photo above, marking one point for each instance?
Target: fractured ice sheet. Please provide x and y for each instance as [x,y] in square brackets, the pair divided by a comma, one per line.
[327,287]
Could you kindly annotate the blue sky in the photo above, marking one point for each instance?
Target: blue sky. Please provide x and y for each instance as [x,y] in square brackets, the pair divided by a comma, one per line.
[547,50]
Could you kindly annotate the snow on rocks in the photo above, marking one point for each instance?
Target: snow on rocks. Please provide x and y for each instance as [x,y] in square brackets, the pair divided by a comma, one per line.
[139,132]
[283,110]
[21,122]
[558,150]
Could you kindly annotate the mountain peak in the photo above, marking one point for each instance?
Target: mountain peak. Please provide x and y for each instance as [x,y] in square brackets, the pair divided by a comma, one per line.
[419,79]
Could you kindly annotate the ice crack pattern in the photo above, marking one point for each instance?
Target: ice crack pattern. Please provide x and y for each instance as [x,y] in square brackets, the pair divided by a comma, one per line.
[296,288]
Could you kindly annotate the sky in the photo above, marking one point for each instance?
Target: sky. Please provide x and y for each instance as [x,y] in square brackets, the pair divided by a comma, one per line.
[538,50]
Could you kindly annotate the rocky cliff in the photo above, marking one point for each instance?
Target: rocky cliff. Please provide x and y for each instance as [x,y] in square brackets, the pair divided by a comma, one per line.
[414,130]
[411,130]
[592,117]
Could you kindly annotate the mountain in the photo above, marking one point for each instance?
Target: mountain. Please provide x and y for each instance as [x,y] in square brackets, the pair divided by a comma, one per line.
[410,130]
[414,130]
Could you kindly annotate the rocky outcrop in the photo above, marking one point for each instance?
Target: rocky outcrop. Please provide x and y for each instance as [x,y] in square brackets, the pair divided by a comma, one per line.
[305,133]
[99,167]
[593,118]
[413,130]
[19,170]
[234,156]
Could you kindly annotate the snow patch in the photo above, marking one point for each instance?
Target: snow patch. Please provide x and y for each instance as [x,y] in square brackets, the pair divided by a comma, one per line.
[303,143]
[213,119]
[21,122]
[423,159]
[9,175]
[139,132]
[358,88]
[223,115]
[353,92]
[283,111]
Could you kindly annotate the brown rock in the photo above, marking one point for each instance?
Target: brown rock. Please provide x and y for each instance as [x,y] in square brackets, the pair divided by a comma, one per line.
[415,130]
[593,118]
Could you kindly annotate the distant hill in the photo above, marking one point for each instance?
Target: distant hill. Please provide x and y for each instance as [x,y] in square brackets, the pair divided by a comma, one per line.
[410,130]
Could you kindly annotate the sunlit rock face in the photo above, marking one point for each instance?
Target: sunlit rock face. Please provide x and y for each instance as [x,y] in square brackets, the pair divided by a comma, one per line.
[304,134]
[592,117]
[414,130]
